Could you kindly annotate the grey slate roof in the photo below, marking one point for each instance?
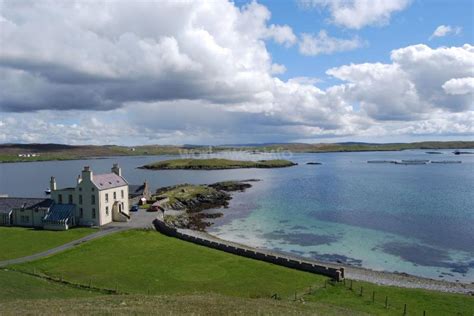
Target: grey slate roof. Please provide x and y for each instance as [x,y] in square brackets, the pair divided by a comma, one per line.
[108,181]
[59,213]
[9,203]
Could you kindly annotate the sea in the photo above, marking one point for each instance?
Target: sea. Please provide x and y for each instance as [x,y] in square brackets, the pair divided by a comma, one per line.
[415,219]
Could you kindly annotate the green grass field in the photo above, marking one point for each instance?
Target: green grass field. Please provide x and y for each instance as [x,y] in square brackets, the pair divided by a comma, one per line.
[216,164]
[148,262]
[169,305]
[18,286]
[17,242]
[167,274]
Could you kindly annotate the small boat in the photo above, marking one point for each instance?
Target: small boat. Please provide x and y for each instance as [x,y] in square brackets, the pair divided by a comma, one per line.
[381,161]
[447,161]
[415,161]
[47,191]
[434,152]
[407,162]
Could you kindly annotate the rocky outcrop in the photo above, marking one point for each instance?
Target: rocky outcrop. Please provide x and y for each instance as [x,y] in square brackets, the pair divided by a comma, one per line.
[194,200]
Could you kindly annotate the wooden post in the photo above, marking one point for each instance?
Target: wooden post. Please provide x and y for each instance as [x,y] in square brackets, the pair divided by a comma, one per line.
[361,290]
[386,301]
[424,313]
[373,297]
[295,296]
[405,309]
[90,283]
[351,285]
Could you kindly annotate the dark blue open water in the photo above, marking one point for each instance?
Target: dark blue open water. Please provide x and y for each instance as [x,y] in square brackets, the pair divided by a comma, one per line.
[417,219]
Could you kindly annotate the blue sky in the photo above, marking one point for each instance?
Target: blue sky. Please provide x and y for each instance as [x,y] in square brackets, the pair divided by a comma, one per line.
[411,26]
[216,72]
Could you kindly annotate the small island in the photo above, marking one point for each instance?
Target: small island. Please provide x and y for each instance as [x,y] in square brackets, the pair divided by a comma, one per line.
[216,164]
[188,205]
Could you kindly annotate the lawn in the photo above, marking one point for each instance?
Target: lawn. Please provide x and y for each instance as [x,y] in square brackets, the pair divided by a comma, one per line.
[169,305]
[18,286]
[17,242]
[146,262]
[216,164]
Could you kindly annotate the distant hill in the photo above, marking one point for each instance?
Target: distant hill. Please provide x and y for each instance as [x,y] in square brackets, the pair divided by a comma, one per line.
[12,152]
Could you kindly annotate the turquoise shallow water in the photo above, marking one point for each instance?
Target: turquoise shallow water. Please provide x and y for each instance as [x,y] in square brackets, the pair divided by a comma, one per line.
[416,219]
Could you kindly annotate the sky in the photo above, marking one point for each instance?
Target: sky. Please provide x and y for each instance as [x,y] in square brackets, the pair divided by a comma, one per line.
[220,72]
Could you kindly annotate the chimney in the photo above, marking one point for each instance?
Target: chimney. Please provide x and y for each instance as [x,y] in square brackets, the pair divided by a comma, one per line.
[52,184]
[79,179]
[116,169]
[87,173]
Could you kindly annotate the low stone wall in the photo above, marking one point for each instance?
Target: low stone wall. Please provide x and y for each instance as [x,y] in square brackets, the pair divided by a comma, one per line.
[289,262]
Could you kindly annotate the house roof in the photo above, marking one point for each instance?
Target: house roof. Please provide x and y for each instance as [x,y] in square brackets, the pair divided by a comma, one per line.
[108,181]
[59,213]
[9,203]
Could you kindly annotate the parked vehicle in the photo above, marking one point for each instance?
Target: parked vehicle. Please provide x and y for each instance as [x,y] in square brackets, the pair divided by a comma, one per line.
[134,208]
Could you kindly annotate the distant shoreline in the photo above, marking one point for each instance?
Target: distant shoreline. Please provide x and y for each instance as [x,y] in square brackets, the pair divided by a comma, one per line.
[56,152]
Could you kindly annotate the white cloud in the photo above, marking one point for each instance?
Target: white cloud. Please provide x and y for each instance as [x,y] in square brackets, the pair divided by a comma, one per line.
[414,85]
[278,69]
[282,34]
[322,43]
[444,30]
[459,86]
[200,72]
[356,14]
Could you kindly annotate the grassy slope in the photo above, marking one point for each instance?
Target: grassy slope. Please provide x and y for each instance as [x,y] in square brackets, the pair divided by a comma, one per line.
[187,192]
[19,242]
[214,163]
[170,305]
[18,286]
[140,262]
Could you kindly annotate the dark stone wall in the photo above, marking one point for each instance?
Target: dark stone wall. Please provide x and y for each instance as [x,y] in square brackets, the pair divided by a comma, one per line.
[335,273]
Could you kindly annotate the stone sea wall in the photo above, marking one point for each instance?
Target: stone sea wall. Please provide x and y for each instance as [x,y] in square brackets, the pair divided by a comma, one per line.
[286,261]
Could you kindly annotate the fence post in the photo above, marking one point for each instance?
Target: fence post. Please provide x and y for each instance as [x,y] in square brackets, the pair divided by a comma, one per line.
[351,285]
[361,290]
[386,301]
[295,295]
[424,313]
[373,297]
[405,309]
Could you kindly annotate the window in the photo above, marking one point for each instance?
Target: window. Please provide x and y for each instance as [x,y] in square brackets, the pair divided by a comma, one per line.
[80,198]
[60,198]
[92,189]
[93,199]
[115,195]
[81,213]
[122,194]
[70,198]
[80,189]
[106,197]
[24,219]
[93,213]
[107,210]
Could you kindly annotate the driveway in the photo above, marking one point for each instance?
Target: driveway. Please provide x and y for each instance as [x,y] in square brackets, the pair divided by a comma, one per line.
[100,233]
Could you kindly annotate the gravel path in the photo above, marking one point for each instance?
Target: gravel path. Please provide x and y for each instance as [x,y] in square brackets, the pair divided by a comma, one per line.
[100,233]
[140,219]
[362,274]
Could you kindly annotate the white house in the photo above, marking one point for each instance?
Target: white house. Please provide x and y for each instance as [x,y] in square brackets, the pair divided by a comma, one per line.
[98,199]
